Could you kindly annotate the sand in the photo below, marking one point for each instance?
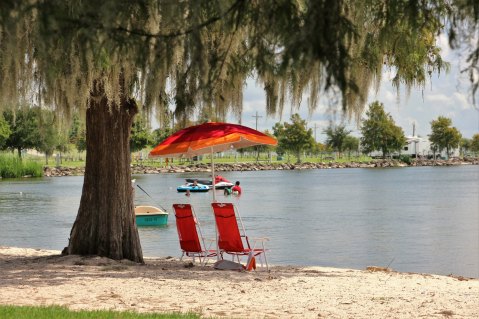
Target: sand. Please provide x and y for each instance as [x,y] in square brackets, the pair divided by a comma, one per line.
[43,277]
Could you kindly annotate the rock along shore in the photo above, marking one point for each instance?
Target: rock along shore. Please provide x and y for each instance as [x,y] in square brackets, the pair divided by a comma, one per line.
[221,167]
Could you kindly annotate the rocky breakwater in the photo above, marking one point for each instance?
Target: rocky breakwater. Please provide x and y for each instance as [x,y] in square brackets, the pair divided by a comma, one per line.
[63,171]
[451,162]
[142,169]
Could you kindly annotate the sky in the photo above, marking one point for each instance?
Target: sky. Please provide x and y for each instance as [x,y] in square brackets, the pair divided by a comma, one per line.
[444,95]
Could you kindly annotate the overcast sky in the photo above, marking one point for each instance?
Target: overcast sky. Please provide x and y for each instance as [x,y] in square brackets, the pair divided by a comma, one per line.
[444,95]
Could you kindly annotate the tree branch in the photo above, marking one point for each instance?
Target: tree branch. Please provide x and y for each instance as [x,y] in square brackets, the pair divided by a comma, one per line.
[143,33]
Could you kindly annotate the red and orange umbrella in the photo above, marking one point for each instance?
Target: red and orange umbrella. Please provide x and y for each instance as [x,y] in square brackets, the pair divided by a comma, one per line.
[210,137]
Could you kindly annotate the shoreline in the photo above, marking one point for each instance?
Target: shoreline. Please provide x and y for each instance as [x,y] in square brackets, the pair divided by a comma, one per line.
[44,277]
[263,166]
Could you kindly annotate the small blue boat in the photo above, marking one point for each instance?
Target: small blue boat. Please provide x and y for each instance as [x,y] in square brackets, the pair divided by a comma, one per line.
[193,188]
[150,216]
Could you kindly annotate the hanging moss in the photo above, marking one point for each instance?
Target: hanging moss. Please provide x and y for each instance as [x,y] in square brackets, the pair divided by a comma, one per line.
[200,53]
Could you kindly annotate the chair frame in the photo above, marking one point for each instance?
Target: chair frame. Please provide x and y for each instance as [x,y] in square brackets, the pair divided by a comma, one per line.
[206,251]
[248,249]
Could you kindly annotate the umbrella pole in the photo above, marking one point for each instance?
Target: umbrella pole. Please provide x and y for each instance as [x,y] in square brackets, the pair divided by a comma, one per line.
[214,201]
[213,175]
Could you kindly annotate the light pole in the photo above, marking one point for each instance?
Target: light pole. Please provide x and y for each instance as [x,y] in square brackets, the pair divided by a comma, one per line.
[257,151]
[256,116]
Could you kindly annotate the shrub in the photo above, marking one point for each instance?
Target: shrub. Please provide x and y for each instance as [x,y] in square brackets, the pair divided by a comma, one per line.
[405,159]
[13,167]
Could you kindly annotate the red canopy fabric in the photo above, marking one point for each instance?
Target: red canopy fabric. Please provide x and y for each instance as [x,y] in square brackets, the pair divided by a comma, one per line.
[208,138]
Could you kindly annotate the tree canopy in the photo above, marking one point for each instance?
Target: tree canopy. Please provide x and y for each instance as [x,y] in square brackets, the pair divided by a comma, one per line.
[5,131]
[24,126]
[50,138]
[336,137]
[443,135]
[379,131]
[475,143]
[140,135]
[351,144]
[295,136]
[198,54]
[464,146]
[77,133]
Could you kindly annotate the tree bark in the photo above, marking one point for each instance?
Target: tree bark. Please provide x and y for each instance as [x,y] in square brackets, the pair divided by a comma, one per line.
[105,224]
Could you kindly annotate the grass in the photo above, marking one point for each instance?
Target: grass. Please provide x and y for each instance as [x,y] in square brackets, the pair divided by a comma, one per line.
[57,312]
[12,166]
[74,160]
[206,159]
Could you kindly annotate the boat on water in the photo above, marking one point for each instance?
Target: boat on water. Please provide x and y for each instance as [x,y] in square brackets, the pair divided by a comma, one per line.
[223,185]
[200,181]
[150,216]
[199,188]
[220,184]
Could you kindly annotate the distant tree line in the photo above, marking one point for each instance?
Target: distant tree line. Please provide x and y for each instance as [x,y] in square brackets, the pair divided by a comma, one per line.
[32,128]
[378,133]
[35,128]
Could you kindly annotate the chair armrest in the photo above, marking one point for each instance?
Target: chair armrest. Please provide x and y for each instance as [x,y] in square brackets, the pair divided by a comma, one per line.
[256,240]
[208,242]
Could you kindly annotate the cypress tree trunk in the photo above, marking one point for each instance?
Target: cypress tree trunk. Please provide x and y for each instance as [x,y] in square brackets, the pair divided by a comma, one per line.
[105,224]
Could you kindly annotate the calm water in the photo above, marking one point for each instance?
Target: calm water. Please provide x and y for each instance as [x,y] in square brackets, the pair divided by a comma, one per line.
[410,219]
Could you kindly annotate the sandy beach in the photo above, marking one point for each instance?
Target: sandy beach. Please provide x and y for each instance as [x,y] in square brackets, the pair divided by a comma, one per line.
[44,277]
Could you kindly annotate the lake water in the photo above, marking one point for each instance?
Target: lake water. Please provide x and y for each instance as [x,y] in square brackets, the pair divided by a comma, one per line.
[423,219]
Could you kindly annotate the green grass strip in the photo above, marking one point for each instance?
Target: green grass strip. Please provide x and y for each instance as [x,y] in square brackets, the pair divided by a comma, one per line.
[57,312]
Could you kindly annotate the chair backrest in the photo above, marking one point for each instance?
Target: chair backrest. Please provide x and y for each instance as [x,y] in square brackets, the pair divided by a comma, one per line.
[229,237]
[186,226]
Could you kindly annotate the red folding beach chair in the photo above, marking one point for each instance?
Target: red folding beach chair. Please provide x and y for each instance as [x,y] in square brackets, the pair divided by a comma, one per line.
[191,244]
[231,241]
